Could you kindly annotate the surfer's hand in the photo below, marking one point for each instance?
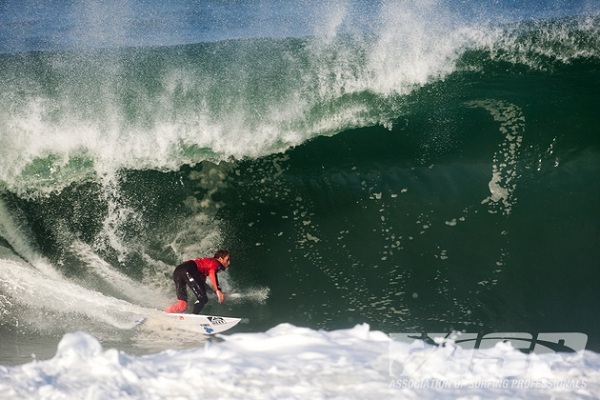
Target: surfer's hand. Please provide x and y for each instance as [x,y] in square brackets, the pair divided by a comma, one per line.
[220,296]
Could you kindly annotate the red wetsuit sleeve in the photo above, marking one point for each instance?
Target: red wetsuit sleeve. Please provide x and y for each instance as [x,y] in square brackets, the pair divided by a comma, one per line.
[214,280]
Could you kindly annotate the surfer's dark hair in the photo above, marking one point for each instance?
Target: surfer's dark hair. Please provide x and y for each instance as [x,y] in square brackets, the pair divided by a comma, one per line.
[222,253]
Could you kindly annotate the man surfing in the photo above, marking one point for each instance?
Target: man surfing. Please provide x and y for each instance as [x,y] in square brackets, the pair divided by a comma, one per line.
[193,273]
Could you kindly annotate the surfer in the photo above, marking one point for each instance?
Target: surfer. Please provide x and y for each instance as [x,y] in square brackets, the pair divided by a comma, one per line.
[193,273]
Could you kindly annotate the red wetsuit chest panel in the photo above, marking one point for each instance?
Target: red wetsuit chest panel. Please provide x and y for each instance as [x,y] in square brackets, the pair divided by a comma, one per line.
[205,265]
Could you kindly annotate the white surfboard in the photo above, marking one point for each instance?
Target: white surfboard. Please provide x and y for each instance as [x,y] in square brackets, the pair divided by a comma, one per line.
[205,324]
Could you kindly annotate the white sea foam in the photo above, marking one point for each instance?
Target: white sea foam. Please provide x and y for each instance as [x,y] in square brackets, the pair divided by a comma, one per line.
[293,362]
[503,184]
[58,301]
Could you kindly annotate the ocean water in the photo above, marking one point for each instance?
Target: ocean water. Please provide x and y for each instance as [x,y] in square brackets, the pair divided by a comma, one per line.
[376,168]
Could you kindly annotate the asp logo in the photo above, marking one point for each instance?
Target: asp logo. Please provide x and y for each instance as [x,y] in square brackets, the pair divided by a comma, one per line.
[217,320]
[421,354]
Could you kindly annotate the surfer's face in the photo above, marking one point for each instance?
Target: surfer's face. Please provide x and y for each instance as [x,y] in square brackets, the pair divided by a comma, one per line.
[225,261]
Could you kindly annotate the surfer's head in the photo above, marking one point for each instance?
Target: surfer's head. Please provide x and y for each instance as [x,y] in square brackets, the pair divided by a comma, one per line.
[223,257]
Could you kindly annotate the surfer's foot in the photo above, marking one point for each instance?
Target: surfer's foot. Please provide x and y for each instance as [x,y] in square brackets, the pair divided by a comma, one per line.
[178,307]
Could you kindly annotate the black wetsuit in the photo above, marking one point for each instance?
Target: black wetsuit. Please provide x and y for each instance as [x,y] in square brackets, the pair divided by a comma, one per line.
[187,274]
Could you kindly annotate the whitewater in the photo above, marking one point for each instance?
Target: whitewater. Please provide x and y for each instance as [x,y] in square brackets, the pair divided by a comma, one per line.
[408,189]
[292,362]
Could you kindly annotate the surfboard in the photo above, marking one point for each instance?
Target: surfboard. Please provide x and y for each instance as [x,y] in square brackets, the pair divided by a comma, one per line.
[205,324]
[208,324]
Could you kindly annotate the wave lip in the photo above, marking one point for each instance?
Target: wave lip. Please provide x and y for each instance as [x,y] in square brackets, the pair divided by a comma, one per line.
[70,116]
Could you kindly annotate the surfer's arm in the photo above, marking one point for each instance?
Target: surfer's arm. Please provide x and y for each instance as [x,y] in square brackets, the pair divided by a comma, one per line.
[215,283]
